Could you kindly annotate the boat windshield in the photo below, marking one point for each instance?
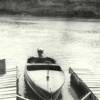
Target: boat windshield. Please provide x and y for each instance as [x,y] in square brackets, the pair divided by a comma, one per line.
[43,67]
[41,60]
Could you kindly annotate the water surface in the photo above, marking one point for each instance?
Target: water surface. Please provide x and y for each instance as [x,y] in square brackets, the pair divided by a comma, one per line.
[72,44]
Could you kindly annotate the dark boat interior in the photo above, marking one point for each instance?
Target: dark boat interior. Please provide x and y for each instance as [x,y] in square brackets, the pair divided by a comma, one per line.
[41,60]
[43,67]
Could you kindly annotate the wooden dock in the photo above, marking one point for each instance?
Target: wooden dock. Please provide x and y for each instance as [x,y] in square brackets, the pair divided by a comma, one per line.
[8,85]
[85,81]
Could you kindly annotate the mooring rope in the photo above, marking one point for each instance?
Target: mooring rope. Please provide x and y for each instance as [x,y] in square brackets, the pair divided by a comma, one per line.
[21,97]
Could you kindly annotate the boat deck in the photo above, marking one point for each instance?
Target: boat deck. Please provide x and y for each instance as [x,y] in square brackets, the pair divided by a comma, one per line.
[89,79]
[55,81]
[8,85]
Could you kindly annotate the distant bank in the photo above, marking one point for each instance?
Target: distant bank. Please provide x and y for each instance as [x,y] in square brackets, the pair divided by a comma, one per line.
[29,19]
[51,8]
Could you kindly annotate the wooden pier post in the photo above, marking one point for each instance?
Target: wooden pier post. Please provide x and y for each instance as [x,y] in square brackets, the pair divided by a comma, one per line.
[2,67]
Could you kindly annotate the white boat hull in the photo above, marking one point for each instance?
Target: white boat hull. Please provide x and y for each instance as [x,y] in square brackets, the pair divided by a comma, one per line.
[40,88]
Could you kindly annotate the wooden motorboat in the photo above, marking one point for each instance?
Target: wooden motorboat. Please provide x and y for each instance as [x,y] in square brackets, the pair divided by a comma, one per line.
[44,76]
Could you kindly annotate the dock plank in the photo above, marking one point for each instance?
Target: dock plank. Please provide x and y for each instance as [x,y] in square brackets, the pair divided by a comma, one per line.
[8,85]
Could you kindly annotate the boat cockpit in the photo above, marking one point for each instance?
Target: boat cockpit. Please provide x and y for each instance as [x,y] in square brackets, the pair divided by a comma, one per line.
[43,67]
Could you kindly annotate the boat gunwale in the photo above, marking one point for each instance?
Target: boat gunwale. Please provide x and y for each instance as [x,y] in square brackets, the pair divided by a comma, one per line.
[42,64]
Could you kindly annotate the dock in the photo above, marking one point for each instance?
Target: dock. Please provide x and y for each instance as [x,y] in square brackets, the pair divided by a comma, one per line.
[86,83]
[8,85]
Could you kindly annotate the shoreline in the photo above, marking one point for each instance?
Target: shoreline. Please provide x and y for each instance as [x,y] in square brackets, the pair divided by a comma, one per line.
[30,17]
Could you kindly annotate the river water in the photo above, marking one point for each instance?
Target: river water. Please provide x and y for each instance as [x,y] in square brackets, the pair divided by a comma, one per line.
[71,43]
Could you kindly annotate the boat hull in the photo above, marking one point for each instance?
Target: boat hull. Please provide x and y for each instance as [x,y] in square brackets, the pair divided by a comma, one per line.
[44,95]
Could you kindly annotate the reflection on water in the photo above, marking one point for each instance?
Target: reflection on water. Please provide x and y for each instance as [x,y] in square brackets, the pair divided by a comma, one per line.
[72,44]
